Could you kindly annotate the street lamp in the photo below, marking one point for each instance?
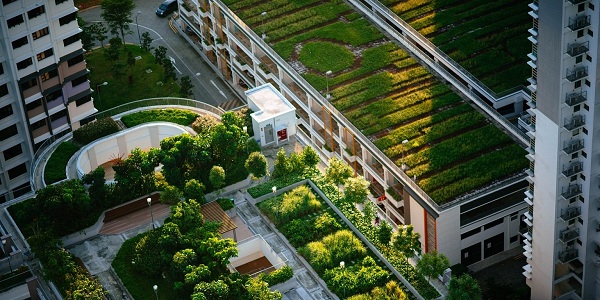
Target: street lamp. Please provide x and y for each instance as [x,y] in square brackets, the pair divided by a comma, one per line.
[155,288]
[245,128]
[138,27]
[149,200]
[7,254]
[343,266]
[404,166]
[327,95]
[274,189]
[98,88]
[263,14]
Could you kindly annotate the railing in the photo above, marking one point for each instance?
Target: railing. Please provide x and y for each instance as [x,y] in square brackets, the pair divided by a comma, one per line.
[571,191]
[572,169]
[568,255]
[575,122]
[575,98]
[568,235]
[570,213]
[575,2]
[572,146]
[57,123]
[577,73]
[579,22]
[577,48]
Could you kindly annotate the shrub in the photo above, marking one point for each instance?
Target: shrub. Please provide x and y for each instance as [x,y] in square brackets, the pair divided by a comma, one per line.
[225,203]
[297,203]
[332,249]
[55,168]
[177,116]
[205,123]
[265,188]
[93,131]
[278,276]
[360,278]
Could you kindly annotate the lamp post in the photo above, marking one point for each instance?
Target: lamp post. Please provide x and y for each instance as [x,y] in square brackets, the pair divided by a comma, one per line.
[7,254]
[245,128]
[149,200]
[262,25]
[327,95]
[98,88]
[155,288]
[274,189]
[343,267]
[404,166]
[138,27]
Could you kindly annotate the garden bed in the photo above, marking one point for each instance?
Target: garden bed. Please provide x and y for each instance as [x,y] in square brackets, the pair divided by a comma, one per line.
[57,163]
[388,96]
[177,116]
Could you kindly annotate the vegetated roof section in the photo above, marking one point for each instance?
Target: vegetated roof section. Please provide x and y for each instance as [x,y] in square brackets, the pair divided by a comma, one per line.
[452,150]
[213,212]
[488,38]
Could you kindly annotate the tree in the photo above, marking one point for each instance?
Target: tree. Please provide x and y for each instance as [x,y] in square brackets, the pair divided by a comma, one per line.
[205,123]
[130,58]
[114,49]
[117,13]
[146,41]
[464,288]
[384,233]
[310,157]
[282,166]
[135,175]
[194,189]
[171,195]
[257,165]
[217,177]
[356,189]
[160,55]
[338,171]
[87,38]
[98,32]
[407,241]
[186,87]
[169,71]
[432,264]
[259,290]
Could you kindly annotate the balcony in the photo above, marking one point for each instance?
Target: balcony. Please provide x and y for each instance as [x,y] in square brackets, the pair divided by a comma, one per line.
[575,98]
[40,131]
[35,112]
[575,2]
[62,121]
[575,122]
[570,213]
[579,22]
[568,235]
[524,122]
[568,255]
[577,49]
[577,73]
[572,169]
[572,146]
[571,191]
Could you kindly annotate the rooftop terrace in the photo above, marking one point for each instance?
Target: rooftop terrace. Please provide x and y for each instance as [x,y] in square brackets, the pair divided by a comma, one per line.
[452,149]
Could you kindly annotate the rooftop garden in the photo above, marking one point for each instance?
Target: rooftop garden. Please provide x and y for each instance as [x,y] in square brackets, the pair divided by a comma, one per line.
[452,149]
[488,38]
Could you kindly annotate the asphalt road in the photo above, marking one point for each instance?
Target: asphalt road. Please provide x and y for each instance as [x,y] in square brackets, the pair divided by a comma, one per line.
[208,86]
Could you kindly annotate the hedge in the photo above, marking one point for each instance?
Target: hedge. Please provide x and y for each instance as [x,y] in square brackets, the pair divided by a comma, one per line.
[95,130]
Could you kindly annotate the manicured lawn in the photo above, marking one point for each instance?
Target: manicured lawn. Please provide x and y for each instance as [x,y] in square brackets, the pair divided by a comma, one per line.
[178,116]
[390,97]
[144,84]
[55,167]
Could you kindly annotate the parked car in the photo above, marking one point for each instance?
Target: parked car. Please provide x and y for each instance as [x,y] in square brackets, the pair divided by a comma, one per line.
[166,8]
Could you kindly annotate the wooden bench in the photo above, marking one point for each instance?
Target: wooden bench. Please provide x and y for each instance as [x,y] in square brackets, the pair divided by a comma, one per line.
[129,207]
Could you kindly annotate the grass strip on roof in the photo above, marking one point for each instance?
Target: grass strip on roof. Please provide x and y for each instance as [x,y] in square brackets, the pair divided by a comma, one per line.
[177,116]
[55,169]
[326,56]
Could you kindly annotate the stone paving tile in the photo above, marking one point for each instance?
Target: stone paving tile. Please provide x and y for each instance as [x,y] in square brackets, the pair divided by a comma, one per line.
[307,281]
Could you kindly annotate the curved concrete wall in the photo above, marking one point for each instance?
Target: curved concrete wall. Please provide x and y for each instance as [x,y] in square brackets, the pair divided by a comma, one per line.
[144,136]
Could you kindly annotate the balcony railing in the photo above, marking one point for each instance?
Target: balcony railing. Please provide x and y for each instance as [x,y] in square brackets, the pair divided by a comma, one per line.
[572,169]
[58,123]
[577,73]
[572,146]
[570,213]
[568,255]
[569,235]
[524,122]
[571,191]
[578,48]
[575,122]
[575,98]
[579,22]
[575,2]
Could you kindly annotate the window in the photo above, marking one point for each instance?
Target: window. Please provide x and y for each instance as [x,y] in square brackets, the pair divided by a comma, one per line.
[6,111]
[1,69]
[72,39]
[589,58]
[514,238]
[578,59]
[24,63]
[12,152]
[581,175]
[586,107]
[78,81]
[18,43]
[17,171]
[587,82]
[578,84]
[14,21]
[33,104]
[36,12]
[591,6]
[49,75]
[581,7]
[40,33]
[580,33]
[57,2]
[75,60]
[580,220]
[54,95]
[493,224]
[8,132]
[28,84]
[67,19]
[3,90]
[575,155]
[584,130]
[7,2]
[576,108]
[470,233]
[43,55]
[83,100]
[573,178]
[590,33]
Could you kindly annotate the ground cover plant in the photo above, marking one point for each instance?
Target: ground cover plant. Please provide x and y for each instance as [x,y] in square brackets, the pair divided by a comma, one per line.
[390,97]
[57,163]
[178,116]
[488,38]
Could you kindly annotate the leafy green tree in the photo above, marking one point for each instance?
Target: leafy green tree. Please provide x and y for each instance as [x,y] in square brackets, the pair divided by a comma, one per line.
[257,165]
[281,167]
[463,288]
[98,32]
[117,13]
[194,189]
[186,157]
[183,259]
[217,177]
[205,123]
[113,51]
[146,41]
[171,195]
[84,287]
[384,233]
[186,88]
[98,189]
[160,55]
[432,264]
[391,291]
[258,289]
[118,69]
[356,189]
[87,39]
[296,163]
[135,175]
[310,157]
[407,241]
[169,71]
[130,58]
[186,215]
[338,171]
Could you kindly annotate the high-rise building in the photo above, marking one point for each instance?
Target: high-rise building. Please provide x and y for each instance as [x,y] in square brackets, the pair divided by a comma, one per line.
[44,89]
[562,242]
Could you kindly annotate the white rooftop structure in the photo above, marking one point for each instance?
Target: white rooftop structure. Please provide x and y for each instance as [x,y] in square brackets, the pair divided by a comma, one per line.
[271,111]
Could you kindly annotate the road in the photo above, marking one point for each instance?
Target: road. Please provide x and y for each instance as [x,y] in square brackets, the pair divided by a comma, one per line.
[208,86]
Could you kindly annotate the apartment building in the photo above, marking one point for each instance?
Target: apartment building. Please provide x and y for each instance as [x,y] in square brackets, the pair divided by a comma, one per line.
[477,226]
[44,90]
[562,242]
